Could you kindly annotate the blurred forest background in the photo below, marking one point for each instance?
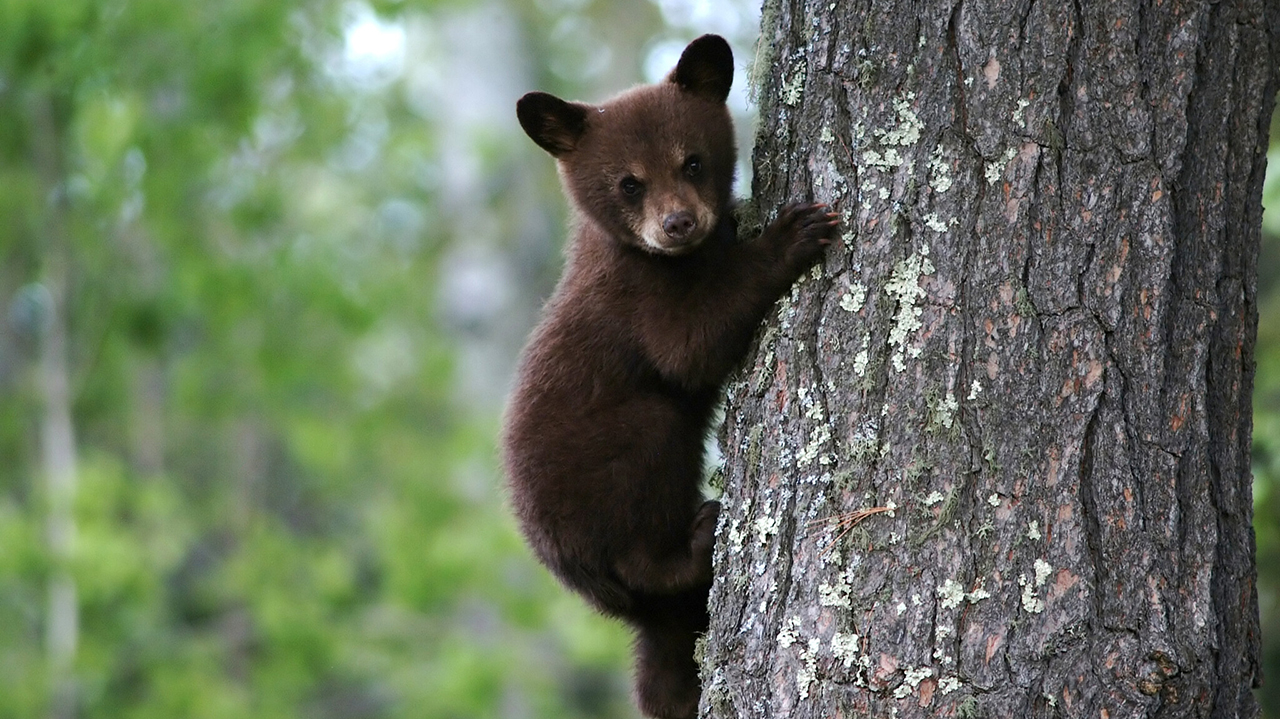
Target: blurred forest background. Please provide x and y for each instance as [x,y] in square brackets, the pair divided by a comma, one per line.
[264,269]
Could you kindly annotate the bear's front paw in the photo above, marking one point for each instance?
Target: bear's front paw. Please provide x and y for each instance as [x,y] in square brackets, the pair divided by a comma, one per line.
[803,231]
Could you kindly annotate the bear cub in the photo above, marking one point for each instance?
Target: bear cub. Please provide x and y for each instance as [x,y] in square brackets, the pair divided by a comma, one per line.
[604,431]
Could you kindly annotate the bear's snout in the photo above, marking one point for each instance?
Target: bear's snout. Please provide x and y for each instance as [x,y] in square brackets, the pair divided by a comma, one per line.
[679,225]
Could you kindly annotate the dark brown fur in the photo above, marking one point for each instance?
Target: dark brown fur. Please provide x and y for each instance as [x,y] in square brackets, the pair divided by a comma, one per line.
[605,428]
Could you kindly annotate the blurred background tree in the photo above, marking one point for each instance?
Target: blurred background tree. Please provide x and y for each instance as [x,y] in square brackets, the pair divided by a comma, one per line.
[264,269]
[1266,432]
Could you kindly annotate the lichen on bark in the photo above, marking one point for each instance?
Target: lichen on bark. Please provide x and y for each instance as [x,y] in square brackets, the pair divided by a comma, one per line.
[1034,343]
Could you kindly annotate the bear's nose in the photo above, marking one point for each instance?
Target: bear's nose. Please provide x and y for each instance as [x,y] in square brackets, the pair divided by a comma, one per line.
[678,225]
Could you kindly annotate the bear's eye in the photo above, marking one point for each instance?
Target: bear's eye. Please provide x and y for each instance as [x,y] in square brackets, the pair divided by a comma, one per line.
[630,186]
[693,166]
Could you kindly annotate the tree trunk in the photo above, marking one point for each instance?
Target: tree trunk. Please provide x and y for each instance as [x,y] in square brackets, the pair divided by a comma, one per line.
[1034,349]
[57,433]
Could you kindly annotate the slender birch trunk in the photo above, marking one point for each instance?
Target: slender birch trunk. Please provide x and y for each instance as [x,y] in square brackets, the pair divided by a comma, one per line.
[57,432]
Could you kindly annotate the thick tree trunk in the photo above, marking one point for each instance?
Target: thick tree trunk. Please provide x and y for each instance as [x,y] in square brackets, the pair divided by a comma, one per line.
[1035,347]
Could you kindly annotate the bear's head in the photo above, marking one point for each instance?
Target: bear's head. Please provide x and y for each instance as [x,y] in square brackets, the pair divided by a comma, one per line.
[653,166]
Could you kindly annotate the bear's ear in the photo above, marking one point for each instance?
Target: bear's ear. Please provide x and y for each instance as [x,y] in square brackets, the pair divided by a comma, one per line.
[705,68]
[554,124]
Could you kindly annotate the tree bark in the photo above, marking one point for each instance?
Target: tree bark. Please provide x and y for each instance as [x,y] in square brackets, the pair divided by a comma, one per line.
[1034,349]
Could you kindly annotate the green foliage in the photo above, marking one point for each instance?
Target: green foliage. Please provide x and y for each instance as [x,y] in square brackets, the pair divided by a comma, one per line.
[287,503]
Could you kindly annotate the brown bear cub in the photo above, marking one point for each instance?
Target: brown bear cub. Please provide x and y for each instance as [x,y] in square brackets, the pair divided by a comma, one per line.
[603,443]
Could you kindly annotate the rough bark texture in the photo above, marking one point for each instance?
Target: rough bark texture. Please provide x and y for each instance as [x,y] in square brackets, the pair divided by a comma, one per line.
[1036,345]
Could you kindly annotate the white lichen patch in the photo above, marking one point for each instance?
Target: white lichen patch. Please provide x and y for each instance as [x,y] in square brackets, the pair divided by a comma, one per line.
[861,358]
[787,635]
[765,527]
[993,172]
[1030,602]
[901,608]
[854,299]
[904,287]
[995,168]
[1033,529]
[818,438]
[844,647]
[977,595]
[945,414]
[809,672]
[812,410]
[1017,112]
[794,87]
[735,539]
[994,500]
[940,172]
[826,135]
[1043,569]
[946,685]
[935,223]
[934,497]
[787,307]
[905,132]
[869,188]
[950,594]
[912,676]
[887,160]
[975,389]
[909,127]
[835,595]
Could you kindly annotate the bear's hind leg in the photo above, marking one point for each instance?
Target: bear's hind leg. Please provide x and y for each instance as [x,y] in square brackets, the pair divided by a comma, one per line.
[667,684]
